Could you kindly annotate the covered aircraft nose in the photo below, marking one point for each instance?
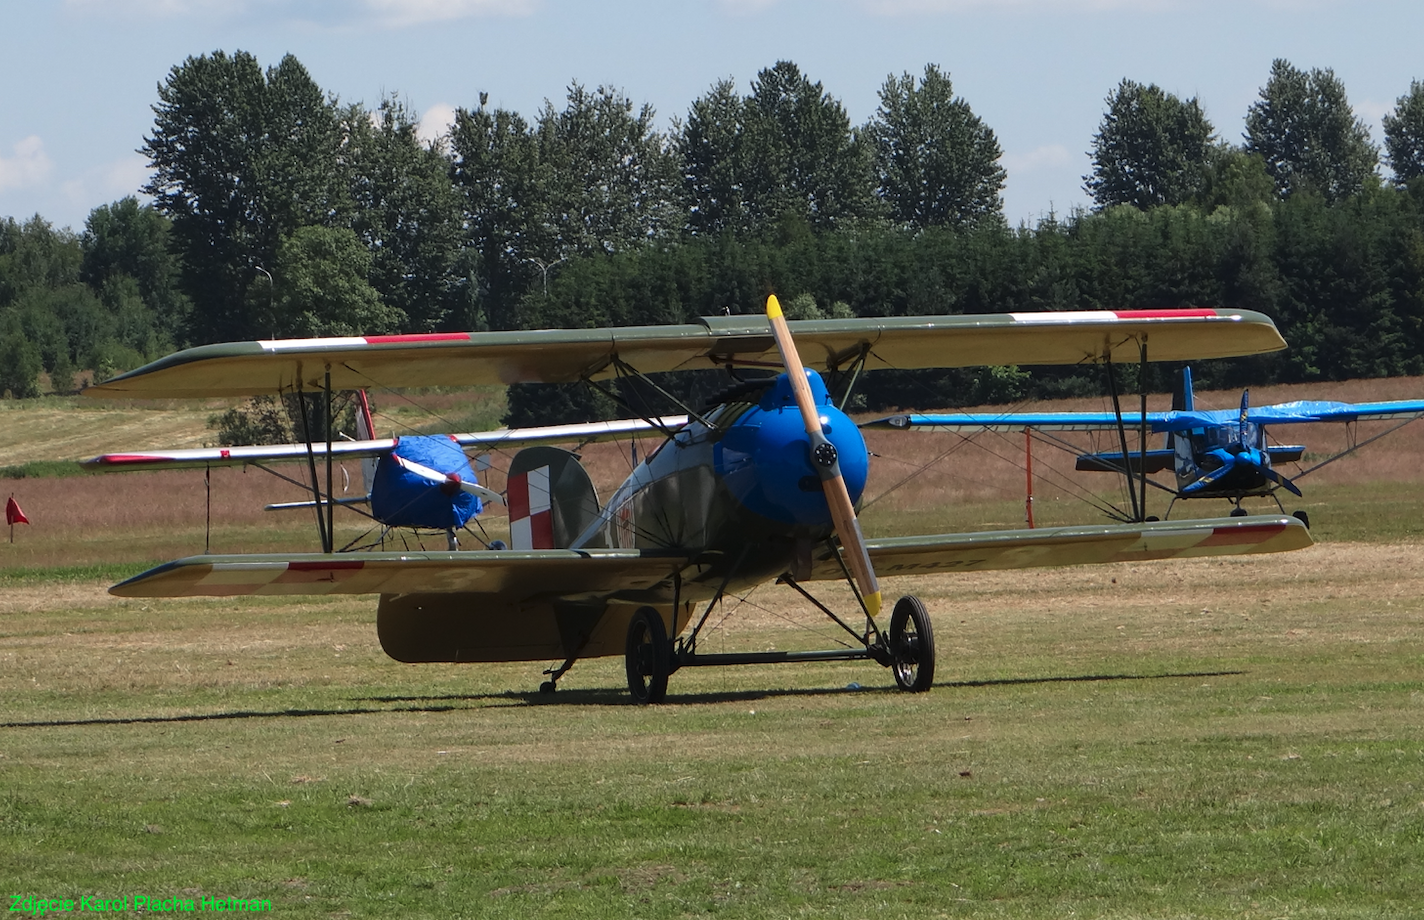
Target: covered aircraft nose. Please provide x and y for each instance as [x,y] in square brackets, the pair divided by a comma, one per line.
[764,458]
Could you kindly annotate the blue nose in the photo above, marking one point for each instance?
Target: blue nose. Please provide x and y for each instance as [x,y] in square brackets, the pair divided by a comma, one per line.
[765,458]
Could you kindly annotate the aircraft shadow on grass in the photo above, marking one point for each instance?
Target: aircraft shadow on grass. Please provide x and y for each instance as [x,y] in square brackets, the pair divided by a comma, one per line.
[590,697]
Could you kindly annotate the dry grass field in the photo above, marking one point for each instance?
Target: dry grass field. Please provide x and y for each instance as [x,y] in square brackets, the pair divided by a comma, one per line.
[1203,738]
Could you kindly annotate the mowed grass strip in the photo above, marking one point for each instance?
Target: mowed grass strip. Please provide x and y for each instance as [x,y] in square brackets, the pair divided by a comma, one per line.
[1236,738]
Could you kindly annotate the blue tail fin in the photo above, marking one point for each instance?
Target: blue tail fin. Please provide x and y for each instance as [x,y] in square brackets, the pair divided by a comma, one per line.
[1183,400]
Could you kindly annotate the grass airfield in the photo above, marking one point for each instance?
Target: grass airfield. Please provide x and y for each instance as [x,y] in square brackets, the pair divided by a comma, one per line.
[1206,738]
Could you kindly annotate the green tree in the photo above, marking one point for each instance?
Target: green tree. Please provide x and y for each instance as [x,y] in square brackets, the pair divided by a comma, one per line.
[1151,149]
[408,213]
[319,288]
[1308,136]
[711,151]
[1404,138]
[1234,178]
[498,170]
[591,179]
[241,159]
[35,255]
[611,174]
[936,161]
[803,160]
[126,240]
[19,366]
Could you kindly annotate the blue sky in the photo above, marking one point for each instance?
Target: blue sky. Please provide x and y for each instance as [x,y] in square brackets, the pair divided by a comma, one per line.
[80,76]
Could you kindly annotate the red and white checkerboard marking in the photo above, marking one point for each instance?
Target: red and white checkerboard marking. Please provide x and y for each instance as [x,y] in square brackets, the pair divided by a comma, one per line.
[531,512]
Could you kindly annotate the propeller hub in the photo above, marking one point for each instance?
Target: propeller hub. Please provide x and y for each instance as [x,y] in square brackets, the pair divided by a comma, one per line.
[825,455]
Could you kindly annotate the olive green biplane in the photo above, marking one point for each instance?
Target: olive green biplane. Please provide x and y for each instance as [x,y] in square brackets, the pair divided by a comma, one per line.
[761,486]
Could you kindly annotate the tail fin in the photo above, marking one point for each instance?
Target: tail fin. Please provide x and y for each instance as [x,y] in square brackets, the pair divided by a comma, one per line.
[365,431]
[550,497]
[1182,399]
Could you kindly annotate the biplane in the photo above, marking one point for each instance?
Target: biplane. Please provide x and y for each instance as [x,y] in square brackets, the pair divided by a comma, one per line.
[761,486]
[1214,453]
[423,483]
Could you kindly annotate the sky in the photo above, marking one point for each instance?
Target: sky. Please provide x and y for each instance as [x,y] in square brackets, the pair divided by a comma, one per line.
[80,77]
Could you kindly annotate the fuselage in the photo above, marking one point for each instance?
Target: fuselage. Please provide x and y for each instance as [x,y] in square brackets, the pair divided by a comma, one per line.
[738,489]
[1203,451]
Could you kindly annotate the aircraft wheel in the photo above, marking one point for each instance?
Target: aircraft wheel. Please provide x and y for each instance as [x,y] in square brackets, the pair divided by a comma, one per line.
[1303,517]
[648,657]
[548,686]
[912,654]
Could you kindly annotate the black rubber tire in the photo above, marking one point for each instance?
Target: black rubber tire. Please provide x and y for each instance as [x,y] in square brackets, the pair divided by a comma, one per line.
[912,654]
[1303,517]
[647,657]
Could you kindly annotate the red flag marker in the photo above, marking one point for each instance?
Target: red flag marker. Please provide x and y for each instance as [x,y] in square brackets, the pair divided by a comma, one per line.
[13,515]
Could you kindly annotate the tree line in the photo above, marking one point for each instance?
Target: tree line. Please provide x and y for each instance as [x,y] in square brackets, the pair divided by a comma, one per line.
[278,210]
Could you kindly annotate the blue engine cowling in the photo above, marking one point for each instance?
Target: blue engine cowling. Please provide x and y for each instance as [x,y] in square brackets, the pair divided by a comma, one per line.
[764,456]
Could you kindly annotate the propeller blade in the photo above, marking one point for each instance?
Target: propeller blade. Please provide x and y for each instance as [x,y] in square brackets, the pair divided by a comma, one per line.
[823,457]
[1271,474]
[1245,413]
[451,480]
[1228,463]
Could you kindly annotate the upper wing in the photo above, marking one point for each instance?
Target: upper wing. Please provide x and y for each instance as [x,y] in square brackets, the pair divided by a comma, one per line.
[1318,411]
[499,439]
[1088,545]
[1299,412]
[568,355]
[1011,421]
[503,572]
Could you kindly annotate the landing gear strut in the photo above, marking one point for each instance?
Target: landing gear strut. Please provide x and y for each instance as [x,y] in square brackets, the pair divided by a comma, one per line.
[906,648]
[552,684]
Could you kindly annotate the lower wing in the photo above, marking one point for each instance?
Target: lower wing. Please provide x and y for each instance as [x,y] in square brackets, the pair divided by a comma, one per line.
[1085,545]
[508,573]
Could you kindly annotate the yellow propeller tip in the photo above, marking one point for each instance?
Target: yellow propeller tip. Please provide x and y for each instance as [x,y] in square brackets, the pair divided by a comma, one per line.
[773,307]
[872,604]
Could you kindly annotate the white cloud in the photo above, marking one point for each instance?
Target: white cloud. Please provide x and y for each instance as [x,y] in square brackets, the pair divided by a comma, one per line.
[1373,113]
[415,12]
[28,167]
[436,121]
[746,7]
[319,13]
[916,7]
[1050,156]
[151,9]
[108,182]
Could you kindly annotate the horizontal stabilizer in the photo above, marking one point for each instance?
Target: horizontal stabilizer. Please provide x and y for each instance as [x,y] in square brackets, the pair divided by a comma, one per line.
[1157,461]
[291,506]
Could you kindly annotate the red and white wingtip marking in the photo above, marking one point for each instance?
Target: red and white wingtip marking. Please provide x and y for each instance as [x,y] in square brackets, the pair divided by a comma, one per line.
[1115,316]
[356,341]
[531,510]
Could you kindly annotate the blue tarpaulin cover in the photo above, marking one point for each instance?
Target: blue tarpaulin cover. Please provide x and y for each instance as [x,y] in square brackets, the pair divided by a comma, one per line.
[400,498]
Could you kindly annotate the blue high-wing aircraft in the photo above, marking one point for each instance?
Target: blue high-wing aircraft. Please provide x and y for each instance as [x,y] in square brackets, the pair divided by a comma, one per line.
[1215,453]
[760,487]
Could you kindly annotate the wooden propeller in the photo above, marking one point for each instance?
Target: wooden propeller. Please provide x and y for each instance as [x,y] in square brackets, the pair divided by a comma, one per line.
[827,464]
